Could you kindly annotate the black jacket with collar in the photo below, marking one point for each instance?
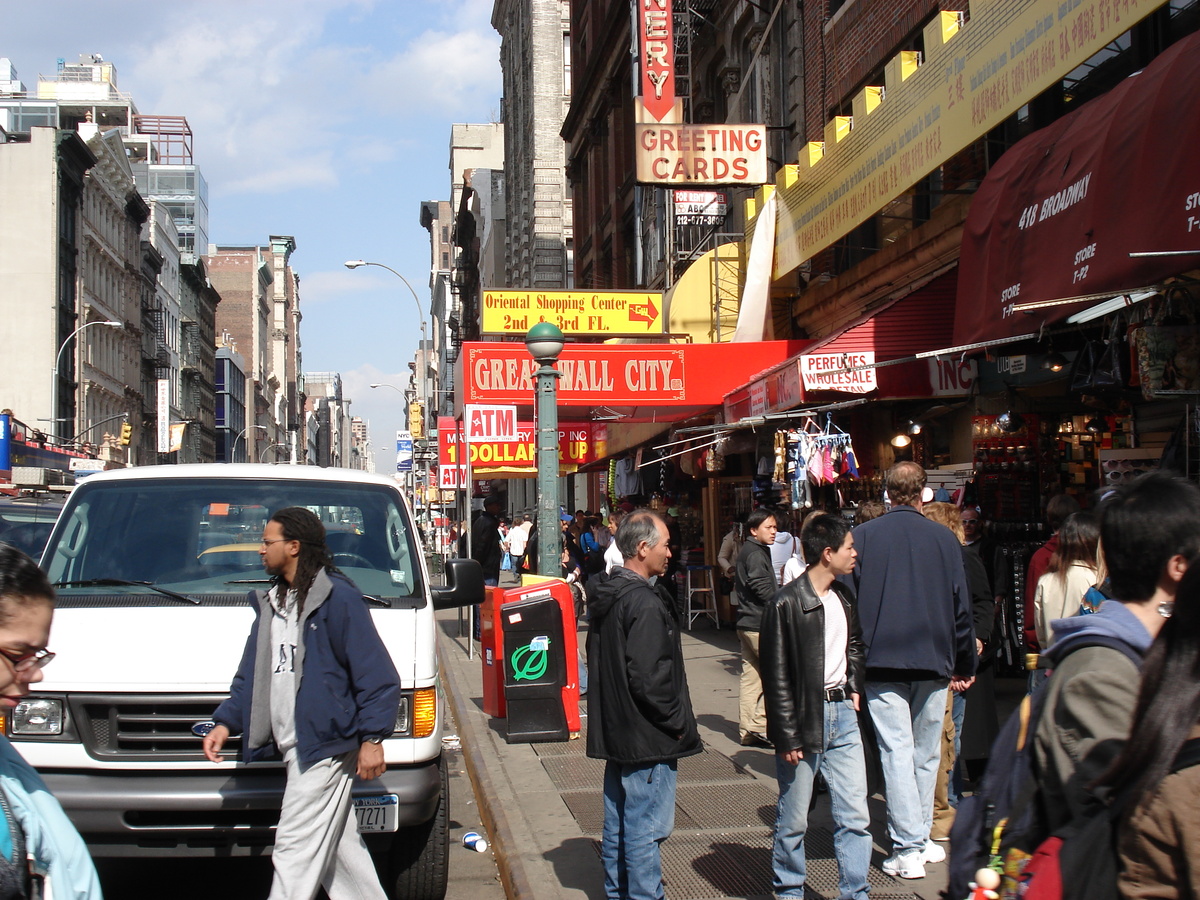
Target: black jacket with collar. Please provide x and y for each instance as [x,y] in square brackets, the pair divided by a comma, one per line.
[755,583]
[638,702]
[791,652]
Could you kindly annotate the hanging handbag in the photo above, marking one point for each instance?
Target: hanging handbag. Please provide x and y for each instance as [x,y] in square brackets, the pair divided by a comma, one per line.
[1111,370]
[1084,366]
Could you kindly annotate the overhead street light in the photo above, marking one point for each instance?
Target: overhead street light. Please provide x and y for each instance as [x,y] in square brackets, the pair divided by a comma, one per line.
[545,342]
[54,417]
[240,434]
[421,398]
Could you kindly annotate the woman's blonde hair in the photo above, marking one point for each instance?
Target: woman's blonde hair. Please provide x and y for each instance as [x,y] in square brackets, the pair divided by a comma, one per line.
[945,514]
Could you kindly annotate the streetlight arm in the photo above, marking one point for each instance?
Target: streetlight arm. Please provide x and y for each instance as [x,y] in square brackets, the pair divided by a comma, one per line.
[356,263]
[54,418]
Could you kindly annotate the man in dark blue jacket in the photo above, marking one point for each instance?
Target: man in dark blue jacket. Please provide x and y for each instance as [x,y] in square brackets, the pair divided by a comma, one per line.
[915,610]
[641,719]
[317,687]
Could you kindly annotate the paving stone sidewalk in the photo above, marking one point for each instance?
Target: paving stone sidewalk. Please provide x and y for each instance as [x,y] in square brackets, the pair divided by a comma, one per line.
[542,805]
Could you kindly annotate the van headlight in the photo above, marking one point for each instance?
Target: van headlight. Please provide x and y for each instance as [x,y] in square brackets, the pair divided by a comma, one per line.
[37,716]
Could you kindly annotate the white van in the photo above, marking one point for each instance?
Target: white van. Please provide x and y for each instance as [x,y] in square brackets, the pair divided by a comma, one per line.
[152,567]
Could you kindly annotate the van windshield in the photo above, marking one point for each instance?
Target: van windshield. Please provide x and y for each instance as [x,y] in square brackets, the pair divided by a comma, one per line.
[201,537]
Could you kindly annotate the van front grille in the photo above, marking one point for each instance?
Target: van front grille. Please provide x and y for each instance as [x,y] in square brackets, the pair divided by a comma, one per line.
[138,727]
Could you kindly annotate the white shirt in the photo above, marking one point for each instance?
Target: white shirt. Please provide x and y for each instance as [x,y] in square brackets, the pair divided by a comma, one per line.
[792,569]
[785,546]
[612,557]
[518,537]
[837,634]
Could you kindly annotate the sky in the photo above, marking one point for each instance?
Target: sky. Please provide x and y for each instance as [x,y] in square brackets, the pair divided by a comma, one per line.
[328,120]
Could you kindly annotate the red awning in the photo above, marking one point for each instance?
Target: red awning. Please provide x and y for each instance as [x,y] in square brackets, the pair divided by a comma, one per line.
[620,383]
[1058,216]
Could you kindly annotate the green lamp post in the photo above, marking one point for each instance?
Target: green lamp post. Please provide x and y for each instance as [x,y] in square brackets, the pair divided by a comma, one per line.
[545,342]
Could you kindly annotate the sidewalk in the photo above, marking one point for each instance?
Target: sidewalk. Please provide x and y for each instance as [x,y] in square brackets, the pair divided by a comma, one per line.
[542,807]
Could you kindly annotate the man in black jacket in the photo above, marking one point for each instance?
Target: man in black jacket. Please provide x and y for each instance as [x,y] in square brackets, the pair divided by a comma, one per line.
[485,539]
[755,585]
[641,718]
[812,656]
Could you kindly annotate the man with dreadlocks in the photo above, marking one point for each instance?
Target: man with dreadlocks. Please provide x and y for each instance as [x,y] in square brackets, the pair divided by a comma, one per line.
[315,686]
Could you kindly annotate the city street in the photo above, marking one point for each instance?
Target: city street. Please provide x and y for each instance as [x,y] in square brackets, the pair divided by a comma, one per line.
[473,875]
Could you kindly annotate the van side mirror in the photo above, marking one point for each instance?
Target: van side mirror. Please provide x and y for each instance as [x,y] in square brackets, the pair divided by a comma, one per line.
[464,585]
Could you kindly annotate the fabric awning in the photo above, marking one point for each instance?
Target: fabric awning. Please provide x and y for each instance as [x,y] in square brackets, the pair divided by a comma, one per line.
[1060,213]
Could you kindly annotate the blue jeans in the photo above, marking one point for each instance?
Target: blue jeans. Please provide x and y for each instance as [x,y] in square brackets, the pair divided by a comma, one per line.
[958,713]
[908,718]
[842,763]
[639,814]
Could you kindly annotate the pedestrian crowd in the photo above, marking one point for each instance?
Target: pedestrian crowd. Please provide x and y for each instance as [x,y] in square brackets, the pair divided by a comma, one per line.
[868,653]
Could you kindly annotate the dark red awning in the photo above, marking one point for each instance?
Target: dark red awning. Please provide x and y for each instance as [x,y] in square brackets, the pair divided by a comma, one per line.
[1060,212]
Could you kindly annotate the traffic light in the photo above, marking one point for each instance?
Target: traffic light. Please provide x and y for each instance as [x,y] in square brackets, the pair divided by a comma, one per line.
[416,421]
[126,433]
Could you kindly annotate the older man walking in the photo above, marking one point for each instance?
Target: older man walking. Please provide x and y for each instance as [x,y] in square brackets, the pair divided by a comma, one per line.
[641,719]
[915,610]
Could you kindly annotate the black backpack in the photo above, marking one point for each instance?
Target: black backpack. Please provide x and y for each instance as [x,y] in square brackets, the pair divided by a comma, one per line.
[1002,823]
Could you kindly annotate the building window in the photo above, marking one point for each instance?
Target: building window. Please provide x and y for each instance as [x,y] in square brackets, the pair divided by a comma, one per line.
[567,64]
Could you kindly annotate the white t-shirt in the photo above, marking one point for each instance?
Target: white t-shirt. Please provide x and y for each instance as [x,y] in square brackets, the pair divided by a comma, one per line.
[837,633]
[792,569]
[785,546]
[285,635]
[518,537]
[612,557]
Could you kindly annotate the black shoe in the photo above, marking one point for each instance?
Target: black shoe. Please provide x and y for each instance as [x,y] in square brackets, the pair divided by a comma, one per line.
[754,739]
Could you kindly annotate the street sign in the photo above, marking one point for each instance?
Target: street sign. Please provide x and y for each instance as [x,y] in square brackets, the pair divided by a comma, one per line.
[607,313]
[700,207]
[85,465]
[404,451]
[490,423]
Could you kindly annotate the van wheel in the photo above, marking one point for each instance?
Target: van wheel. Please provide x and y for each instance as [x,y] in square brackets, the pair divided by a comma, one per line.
[412,862]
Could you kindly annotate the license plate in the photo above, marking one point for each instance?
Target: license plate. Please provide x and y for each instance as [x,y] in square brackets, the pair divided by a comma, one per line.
[376,814]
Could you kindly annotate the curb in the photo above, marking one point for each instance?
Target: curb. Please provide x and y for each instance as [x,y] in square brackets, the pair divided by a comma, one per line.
[473,737]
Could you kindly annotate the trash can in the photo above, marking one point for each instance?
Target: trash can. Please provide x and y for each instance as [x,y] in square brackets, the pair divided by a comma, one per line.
[535,669]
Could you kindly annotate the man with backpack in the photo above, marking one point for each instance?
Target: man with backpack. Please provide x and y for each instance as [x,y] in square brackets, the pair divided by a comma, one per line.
[1148,532]
[1068,733]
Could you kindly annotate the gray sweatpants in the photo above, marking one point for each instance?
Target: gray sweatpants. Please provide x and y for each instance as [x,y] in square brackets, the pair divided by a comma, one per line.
[317,843]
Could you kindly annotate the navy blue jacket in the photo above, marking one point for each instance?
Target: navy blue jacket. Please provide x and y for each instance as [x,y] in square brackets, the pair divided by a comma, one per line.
[913,600]
[347,688]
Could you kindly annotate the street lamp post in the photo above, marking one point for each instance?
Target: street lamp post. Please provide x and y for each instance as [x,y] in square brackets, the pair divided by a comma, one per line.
[54,417]
[240,435]
[545,342]
[262,457]
[422,399]
[412,473]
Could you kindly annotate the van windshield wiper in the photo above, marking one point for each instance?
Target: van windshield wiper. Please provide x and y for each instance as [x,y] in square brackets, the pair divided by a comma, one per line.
[121,582]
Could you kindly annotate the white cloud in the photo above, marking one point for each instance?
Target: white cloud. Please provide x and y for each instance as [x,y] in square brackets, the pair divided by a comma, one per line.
[280,102]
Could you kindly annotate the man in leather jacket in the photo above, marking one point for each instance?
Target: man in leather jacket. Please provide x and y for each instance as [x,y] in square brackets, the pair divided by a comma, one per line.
[641,720]
[812,657]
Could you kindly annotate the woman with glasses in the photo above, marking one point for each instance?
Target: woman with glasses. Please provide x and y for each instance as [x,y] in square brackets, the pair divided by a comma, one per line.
[38,843]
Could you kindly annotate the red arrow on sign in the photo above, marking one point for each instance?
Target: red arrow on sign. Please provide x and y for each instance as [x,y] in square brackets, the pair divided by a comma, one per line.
[640,313]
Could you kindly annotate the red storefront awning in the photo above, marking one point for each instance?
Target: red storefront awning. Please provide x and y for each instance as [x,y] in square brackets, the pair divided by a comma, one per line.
[1059,214]
[918,322]
[624,383]
[923,320]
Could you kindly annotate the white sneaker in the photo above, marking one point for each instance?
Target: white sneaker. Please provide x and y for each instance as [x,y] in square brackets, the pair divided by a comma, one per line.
[906,864]
[933,853]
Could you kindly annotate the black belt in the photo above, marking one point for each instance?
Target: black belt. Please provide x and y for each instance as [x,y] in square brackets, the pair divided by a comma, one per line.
[837,694]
